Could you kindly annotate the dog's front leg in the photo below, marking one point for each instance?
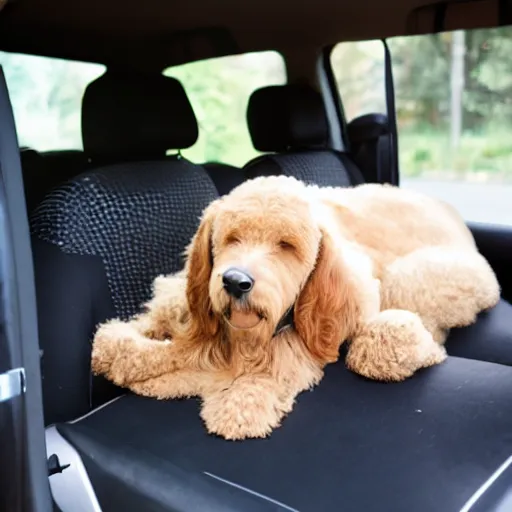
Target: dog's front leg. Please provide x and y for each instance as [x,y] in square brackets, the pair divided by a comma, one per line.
[249,406]
[124,355]
[392,346]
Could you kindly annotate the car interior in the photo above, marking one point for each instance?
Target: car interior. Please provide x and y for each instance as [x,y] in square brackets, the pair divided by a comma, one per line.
[105,219]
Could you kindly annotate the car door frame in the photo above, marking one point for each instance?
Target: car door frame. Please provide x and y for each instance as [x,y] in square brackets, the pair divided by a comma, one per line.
[23,465]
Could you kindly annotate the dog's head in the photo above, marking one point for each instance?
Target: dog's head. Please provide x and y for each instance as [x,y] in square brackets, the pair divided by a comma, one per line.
[261,255]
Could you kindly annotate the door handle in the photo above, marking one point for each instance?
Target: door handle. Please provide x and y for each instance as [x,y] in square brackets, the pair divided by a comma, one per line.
[12,384]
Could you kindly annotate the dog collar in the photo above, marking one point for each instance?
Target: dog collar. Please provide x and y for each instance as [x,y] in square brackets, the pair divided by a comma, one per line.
[286,321]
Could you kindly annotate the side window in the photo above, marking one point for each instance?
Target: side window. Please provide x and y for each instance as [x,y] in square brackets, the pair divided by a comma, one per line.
[219,90]
[454,105]
[454,113]
[358,68]
[46,96]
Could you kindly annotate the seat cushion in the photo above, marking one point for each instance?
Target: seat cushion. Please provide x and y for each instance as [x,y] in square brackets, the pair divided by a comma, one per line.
[352,444]
[489,339]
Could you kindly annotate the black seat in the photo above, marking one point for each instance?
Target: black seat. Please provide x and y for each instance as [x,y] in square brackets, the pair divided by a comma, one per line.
[289,123]
[101,238]
[426,444]
[226,177]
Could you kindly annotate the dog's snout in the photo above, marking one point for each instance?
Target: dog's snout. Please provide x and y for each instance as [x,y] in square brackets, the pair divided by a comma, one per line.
[237,282]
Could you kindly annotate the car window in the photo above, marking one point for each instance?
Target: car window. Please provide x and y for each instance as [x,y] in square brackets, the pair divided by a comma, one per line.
[454,113]
[46,96]
[359,71]
[219,90]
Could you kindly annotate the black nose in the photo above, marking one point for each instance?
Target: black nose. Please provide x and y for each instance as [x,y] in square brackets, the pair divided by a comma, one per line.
[236,282]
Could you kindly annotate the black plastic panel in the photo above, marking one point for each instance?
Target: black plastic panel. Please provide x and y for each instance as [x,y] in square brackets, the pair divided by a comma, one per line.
[495,243]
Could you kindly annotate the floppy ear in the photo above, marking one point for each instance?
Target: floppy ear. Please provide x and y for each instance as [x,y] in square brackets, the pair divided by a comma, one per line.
[199,268]
[327,311]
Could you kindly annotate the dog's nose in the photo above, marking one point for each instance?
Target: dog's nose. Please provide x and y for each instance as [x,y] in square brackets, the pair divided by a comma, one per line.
[237,282]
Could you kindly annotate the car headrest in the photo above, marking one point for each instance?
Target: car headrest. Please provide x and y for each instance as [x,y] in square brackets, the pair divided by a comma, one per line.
[284,117]
[136,116]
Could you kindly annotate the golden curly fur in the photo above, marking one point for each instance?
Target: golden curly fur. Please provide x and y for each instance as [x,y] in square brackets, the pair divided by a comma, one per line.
[388,270]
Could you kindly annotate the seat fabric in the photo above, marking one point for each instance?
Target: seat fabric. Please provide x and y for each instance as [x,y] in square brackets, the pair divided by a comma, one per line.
[101,238]
[44,171]
[122,122]
[315,167]
[226,177]
[289,123]
[351,444]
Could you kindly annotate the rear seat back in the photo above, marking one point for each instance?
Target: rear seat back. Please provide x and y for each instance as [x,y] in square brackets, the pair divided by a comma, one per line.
[371,147]
[289,123]
[44,170]
[100,239]
[226,177]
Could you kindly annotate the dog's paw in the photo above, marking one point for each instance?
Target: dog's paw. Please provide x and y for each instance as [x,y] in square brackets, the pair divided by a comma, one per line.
[105,347]
[109,347]
[393,346]
[236,414]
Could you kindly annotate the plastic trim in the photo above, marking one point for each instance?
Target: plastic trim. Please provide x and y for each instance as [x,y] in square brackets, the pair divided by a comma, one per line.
[72,490]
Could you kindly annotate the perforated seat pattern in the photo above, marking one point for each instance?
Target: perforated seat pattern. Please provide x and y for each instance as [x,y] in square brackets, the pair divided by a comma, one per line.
[137,218]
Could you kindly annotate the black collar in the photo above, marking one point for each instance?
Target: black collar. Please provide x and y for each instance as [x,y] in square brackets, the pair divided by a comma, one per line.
[286,321]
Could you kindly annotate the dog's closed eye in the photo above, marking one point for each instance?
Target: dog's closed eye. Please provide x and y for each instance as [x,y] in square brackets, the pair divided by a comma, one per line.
[286,246]
[232,239]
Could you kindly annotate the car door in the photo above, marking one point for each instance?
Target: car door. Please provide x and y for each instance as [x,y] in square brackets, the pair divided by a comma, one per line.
[23,466]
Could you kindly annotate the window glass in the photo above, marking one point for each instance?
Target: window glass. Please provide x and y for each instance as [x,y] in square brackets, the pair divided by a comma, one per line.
[46,96]
[219,90]
[359,72]
[454,114]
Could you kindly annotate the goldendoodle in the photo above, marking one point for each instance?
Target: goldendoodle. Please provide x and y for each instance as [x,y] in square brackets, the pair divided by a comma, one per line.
[277,277]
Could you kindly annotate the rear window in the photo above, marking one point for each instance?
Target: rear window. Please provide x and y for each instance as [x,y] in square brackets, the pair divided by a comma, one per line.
[46,96]
[454,113]
[219,90]
[47,93]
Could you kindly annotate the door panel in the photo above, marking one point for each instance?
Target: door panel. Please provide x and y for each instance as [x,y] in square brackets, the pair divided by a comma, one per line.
[495,243]
[23,466]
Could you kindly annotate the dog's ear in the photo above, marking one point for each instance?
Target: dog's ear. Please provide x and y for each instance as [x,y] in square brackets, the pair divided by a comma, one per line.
[199,269]
[327,311]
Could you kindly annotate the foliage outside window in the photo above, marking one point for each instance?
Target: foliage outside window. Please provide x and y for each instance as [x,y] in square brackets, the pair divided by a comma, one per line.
[454,112]
[219,90]
[46,96]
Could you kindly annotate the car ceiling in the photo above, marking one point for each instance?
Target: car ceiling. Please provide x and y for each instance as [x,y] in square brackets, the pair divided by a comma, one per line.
[158,33]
